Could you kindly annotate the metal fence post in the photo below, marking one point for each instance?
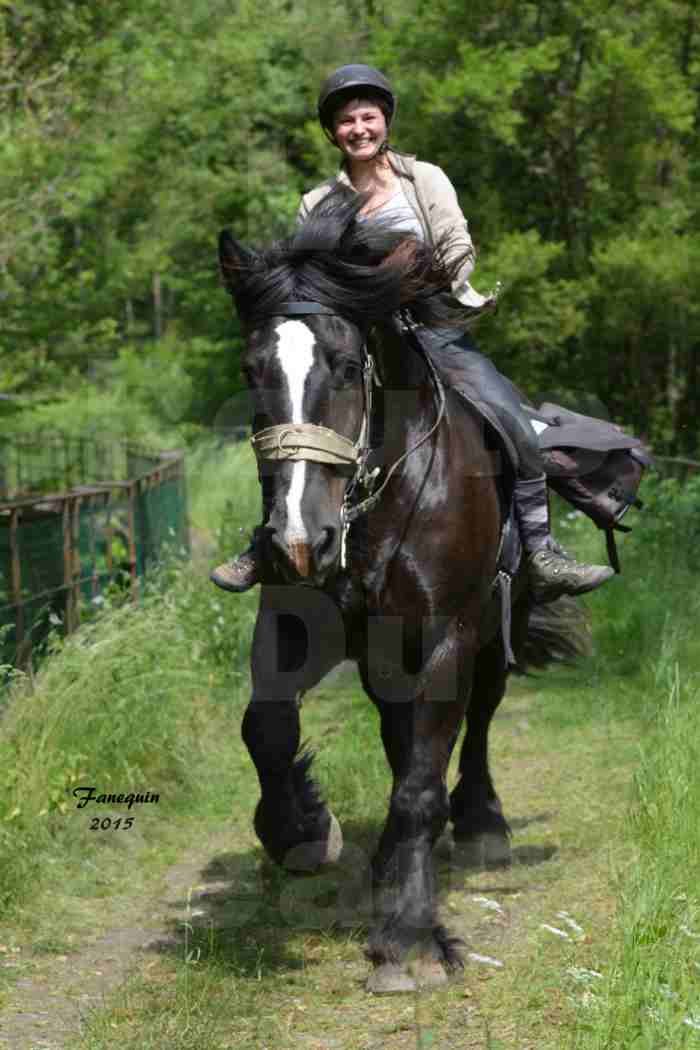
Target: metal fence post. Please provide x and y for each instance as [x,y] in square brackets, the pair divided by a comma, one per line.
[16,581]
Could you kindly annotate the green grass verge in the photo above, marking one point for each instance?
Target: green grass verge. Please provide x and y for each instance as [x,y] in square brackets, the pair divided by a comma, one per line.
[128,704]
[649,996]
[646,666]
[133,702]
[224,492]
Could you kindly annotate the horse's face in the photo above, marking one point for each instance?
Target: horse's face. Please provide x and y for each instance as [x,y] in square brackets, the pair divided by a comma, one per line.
[305,371]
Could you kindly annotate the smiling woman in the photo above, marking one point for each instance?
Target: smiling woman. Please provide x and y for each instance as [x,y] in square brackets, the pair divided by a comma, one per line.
[360,131]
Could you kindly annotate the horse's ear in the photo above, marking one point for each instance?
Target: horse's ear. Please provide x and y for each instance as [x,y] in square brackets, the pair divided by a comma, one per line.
[234,260]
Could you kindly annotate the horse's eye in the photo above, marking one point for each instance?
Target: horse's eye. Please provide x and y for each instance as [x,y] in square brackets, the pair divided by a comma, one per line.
[351,372]
[261,421]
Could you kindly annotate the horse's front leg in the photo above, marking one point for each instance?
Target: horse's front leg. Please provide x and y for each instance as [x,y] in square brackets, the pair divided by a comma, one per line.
[418,737]
[291,820]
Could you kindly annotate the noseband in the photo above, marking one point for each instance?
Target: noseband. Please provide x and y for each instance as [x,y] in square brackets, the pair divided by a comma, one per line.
[307,441]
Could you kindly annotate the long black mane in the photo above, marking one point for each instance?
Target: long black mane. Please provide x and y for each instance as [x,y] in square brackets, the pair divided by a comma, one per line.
[361,268]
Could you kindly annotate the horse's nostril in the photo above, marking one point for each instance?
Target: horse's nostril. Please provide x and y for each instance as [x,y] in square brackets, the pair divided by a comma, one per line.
[324,548]
[300,558]
[326,541]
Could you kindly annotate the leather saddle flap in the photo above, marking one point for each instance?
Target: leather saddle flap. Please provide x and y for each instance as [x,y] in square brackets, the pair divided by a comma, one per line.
[567,429]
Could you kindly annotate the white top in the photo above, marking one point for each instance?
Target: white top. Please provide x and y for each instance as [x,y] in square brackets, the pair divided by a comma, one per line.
[405,219]
[400,211]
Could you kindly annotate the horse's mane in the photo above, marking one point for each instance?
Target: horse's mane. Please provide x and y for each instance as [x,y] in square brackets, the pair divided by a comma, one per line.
[361,268]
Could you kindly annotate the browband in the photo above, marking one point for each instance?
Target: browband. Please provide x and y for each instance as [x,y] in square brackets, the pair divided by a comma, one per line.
[296,309]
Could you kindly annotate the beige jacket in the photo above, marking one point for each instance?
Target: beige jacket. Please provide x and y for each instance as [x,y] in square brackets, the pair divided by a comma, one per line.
[432,197]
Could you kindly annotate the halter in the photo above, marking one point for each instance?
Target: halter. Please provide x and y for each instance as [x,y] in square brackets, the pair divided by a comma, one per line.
[307,441]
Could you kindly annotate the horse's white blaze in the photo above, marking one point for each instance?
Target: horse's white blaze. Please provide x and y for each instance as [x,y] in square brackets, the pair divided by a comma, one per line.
[296,355]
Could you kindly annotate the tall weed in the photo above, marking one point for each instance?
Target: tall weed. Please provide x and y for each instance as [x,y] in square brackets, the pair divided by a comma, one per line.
[648,658]
[135,701]
[650,996]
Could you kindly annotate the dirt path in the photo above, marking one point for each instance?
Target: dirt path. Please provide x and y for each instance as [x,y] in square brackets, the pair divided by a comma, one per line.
[536,934]
[53,993]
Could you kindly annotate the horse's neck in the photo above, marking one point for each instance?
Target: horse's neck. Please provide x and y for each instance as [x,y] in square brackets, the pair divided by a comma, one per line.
[408,392]
[400,366]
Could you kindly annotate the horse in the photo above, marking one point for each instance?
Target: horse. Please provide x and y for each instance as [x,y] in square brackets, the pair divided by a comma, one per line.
[398,579]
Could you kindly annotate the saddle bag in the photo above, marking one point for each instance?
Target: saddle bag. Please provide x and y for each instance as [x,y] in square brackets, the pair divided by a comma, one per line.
[593,465]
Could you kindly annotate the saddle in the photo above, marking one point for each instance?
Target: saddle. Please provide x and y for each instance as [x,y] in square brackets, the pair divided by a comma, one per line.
[592,464]
[595,467]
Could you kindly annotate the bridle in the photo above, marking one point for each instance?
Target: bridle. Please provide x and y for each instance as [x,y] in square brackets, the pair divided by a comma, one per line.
[307,441]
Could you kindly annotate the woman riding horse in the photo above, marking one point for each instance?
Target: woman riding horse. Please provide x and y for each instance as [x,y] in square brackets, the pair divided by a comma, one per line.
[356,106]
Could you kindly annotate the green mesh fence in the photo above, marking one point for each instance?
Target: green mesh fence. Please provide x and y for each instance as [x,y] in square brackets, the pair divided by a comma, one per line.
[77,516]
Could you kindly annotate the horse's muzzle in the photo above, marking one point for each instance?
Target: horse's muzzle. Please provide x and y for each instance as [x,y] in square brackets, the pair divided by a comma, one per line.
[303,559]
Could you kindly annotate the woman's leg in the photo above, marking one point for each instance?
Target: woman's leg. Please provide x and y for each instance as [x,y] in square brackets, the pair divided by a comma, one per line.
[552,571]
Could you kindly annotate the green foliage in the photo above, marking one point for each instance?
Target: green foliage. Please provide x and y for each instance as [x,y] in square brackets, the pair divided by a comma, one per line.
[571,128]
[140,395]
[644,619]
[224,491]
[127,140]
[671,524]
[646,669]
[131,133]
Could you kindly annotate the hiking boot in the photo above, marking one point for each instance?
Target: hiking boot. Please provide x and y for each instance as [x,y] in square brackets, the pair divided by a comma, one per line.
[237,575]
[553,573]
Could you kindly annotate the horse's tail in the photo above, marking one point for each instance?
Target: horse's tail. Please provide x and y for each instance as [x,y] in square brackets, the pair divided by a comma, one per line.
[558,632]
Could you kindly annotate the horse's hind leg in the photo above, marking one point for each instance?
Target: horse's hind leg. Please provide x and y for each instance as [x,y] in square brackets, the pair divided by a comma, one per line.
[291,820]
[481,832]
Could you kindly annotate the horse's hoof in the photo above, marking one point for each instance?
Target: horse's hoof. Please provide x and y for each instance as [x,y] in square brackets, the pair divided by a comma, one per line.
[310,856]
[488,850]
[428,973]
[390,979]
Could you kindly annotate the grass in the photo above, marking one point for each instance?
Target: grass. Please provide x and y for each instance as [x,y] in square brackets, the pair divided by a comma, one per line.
[137,699]
[224,494]
[596,765]
[650,996]
[125,705]
[647,668]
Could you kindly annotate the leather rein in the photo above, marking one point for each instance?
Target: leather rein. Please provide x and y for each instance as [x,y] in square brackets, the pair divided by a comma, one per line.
[307,441]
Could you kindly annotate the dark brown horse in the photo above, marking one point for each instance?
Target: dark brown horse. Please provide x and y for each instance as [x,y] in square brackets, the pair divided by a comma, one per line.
[402,585]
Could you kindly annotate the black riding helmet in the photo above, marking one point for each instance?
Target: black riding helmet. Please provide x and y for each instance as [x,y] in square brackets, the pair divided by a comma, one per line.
[338,84]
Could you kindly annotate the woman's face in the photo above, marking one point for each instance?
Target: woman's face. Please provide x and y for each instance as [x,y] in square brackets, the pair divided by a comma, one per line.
[359,129]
